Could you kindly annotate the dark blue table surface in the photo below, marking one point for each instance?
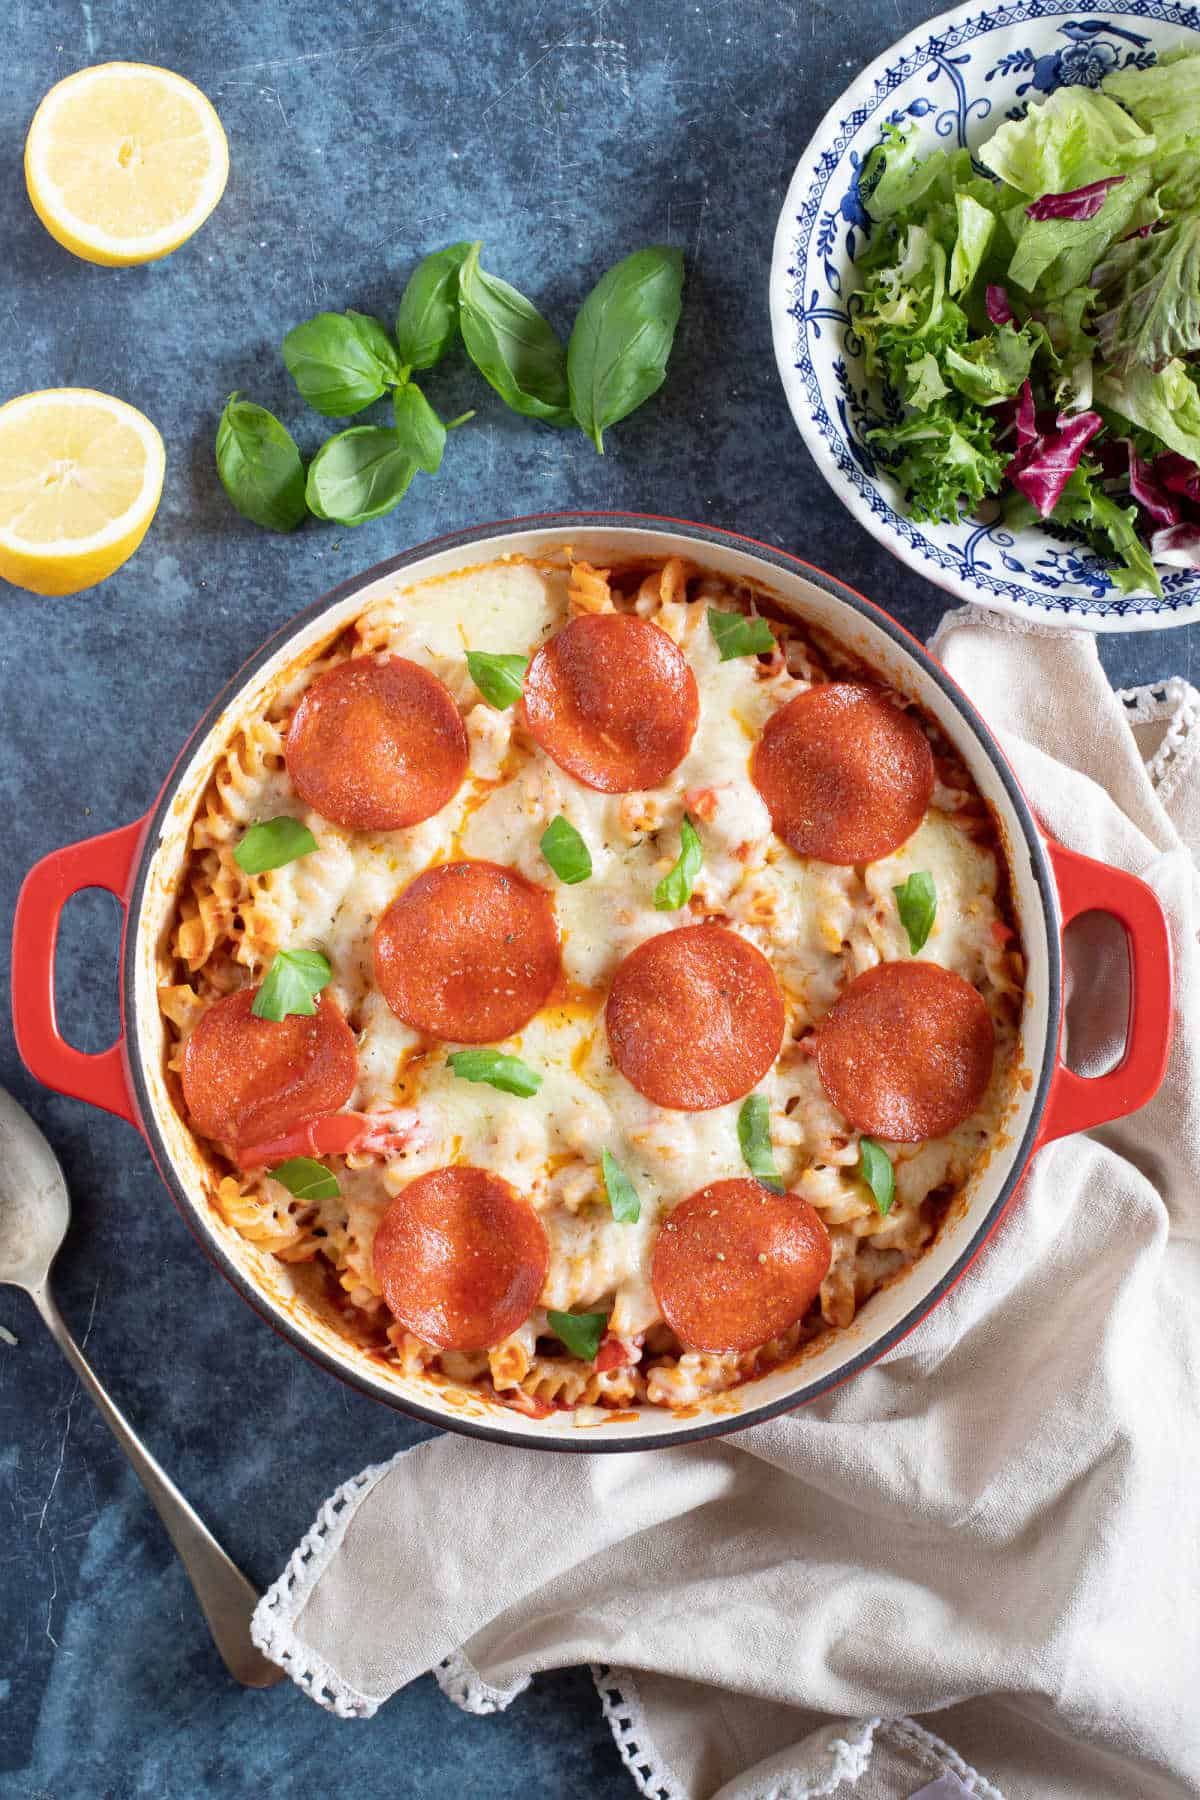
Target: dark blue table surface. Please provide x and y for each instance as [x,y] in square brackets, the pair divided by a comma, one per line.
[361,136]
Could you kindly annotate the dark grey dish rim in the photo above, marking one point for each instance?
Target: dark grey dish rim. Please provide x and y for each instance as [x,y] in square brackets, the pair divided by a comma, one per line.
[595,1442]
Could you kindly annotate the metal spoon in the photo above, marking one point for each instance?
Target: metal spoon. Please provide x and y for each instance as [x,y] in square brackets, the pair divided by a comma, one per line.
[34,1213]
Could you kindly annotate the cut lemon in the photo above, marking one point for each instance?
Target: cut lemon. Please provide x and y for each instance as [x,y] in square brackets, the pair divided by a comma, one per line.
[80,477]
[124,162]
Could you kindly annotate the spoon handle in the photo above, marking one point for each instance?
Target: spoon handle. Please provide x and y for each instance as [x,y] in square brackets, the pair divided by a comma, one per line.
[226,1598]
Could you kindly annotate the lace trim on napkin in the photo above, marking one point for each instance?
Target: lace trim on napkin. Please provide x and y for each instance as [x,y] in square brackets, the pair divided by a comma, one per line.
[1176,701]
[271,1627]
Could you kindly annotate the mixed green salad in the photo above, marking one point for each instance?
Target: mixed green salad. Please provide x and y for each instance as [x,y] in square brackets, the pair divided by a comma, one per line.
[1037,325]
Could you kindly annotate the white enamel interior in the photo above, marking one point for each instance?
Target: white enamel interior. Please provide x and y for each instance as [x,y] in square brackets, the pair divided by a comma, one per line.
[270,1280]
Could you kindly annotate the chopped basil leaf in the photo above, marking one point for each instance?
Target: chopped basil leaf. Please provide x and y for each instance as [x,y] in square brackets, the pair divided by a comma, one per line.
[875,1167]
[754,1137]
[427,322]
[271,843]
[419,432]
[580,1332]
[916,902]
[622,1195]
[290,984]
[498,678]
[508,1073]
[622,337]
[737,635]
[675,888]
[306,1179]
[260,466]
[566,852]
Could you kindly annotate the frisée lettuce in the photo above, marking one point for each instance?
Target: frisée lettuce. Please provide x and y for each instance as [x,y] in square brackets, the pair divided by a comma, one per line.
[1032,315]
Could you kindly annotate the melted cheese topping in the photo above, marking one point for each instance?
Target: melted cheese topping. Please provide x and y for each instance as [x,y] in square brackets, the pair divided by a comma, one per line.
[819,926]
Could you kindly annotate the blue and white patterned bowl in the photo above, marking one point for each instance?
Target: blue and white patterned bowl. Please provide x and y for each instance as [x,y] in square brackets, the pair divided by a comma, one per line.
[956,78]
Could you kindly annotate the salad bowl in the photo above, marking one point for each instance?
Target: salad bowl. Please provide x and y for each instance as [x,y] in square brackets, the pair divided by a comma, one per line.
[949,85]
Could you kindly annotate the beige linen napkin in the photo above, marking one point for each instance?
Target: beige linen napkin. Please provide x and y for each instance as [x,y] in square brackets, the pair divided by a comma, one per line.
[994,1528]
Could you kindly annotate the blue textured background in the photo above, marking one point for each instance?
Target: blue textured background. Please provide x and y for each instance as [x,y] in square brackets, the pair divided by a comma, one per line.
[361,136]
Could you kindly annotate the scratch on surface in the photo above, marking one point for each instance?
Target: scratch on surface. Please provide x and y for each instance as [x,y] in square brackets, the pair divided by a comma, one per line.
[50,1602]
[558,44]
[62,1449]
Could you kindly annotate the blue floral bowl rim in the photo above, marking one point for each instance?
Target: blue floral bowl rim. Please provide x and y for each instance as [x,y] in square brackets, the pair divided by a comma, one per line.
[1035,610]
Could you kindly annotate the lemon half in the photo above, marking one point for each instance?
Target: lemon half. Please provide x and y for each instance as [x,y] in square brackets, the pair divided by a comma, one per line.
[80,477]
[124,162]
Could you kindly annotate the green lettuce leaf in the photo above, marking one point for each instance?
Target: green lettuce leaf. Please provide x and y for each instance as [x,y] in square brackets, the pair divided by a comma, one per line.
[925,384]
[1150,290]
[942,458]
[1055,255]
[990,369]
[1074,137]
[975,227]
[1164,402]
[1111,527]
[1164,99]
[895,175]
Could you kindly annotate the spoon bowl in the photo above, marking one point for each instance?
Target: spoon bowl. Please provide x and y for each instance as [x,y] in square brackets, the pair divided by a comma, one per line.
[34,1208]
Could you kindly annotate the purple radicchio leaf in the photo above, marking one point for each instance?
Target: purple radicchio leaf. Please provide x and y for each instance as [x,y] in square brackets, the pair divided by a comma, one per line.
[1149,492]
[1080,203]
[1178,546]
[1042,467]
[996,301]
[1178,474]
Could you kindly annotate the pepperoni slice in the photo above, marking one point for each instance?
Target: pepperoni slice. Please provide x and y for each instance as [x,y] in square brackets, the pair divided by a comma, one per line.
[468,951]
[846,775]
[612,700]
[906,1053]
[376,746]
[461,1258]
[246,1080]
[694,1017]
[734,1265]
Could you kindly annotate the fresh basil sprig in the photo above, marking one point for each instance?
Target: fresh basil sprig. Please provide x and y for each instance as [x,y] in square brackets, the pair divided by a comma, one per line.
[875,1167]
[272,843]
[618,350]
[582,1333]
[916,902]
[565,851]
[306,1179]
[498,678]
[260,466]
[511,345]
[341,362]
[508,1073]
[427,321]
[291,984]
[754,1140]
[735,634]
[675,888]
[622,1195]
[358,475]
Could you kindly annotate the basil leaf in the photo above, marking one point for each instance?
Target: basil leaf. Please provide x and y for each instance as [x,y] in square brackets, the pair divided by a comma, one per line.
[617,356]
[675,888]
[511,345]
[566,852]
[272,843]
[358,475]
[875,1167]
[378,340]
[508,1073]
[736,635]
[622,1195]
[754,1140]
[290,984]
[419,432]
[916,902]
[427,322]
[580,1332]
[306,1179]
[335,362]
[260,466]
[498,678]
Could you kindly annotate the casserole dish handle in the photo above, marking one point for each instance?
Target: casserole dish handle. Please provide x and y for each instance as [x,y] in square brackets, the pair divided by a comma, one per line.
[100,862]
[1078,1102]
